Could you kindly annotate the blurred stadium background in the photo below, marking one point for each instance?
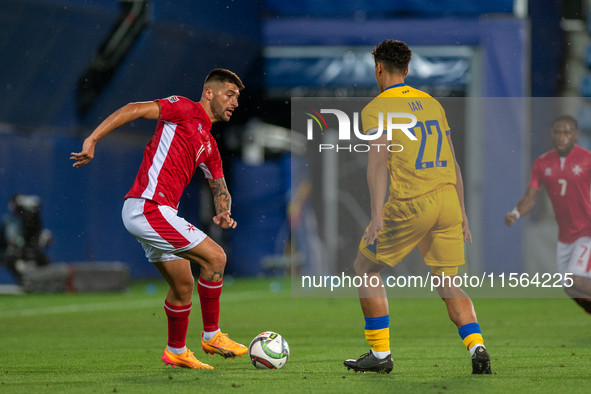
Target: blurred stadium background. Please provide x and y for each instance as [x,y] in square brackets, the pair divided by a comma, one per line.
[67,64]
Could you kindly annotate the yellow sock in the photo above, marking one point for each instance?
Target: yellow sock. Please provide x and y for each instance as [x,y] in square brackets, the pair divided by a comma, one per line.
[471,335]
[473,339]
[379,340]
[377,333]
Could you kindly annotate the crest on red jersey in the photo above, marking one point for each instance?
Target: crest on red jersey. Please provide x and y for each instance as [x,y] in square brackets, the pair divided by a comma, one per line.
[173,99]
[577,169]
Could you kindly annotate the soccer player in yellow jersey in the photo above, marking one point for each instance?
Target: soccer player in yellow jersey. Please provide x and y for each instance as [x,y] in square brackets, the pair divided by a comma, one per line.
[425,208]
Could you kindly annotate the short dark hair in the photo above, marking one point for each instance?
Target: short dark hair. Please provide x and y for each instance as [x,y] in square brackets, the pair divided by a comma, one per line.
[222,75]
[393,54]
[566,118]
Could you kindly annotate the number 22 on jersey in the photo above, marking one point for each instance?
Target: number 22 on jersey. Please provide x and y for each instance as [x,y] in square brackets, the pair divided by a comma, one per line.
[427,136]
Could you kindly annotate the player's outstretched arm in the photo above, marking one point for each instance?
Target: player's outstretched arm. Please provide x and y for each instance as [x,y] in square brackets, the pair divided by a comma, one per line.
[523,206]
[126,114]
[222,202]
[460,191]
[377,180]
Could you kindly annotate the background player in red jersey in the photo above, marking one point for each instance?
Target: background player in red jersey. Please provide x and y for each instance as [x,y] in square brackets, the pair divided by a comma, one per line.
[566,173]
[182,142]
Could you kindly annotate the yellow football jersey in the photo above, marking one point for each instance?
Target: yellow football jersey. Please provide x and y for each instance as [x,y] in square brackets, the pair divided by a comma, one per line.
[421,165]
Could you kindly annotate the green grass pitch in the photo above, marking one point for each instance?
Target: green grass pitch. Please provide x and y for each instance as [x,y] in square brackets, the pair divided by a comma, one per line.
[105,343]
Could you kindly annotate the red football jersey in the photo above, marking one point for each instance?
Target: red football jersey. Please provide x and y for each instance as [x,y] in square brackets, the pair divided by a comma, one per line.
[182,143]
[568,183]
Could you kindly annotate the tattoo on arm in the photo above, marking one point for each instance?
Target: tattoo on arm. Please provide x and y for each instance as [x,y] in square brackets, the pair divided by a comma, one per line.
[221,196]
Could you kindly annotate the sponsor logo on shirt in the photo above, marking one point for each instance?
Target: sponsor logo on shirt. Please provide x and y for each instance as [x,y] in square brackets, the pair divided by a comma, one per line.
[548,172]
[173,99]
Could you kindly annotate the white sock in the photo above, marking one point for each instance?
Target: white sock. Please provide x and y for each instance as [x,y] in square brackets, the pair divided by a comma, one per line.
[177,350]
[207,335]
[473,348]
[380,354]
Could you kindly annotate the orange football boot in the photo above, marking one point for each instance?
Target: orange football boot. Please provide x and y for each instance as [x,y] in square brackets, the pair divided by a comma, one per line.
[185,360]
[223,346]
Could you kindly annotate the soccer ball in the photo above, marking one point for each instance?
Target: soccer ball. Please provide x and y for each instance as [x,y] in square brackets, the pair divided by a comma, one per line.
[268,350]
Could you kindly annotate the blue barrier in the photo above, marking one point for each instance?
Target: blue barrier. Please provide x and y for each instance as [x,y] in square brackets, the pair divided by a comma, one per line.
[82,207]
[259,206]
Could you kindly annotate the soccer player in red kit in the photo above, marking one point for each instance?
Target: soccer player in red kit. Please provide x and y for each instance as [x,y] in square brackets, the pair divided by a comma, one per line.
[566,173]
[182,143]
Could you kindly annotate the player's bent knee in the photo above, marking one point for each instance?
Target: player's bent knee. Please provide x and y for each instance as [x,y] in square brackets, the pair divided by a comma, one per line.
[580,284]
[363,265]
[216,261]
[220,260]
[570,291]
[360,266]
[183,289]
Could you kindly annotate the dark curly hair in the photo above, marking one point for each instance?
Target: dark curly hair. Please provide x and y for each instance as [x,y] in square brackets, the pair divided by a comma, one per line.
[393,54]
[566,118]
[222,75]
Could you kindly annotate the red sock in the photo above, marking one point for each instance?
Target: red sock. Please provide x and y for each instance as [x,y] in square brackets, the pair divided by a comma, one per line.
[209,296]
[178,323]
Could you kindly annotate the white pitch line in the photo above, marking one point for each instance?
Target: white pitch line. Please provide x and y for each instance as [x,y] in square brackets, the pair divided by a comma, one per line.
[119,305]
